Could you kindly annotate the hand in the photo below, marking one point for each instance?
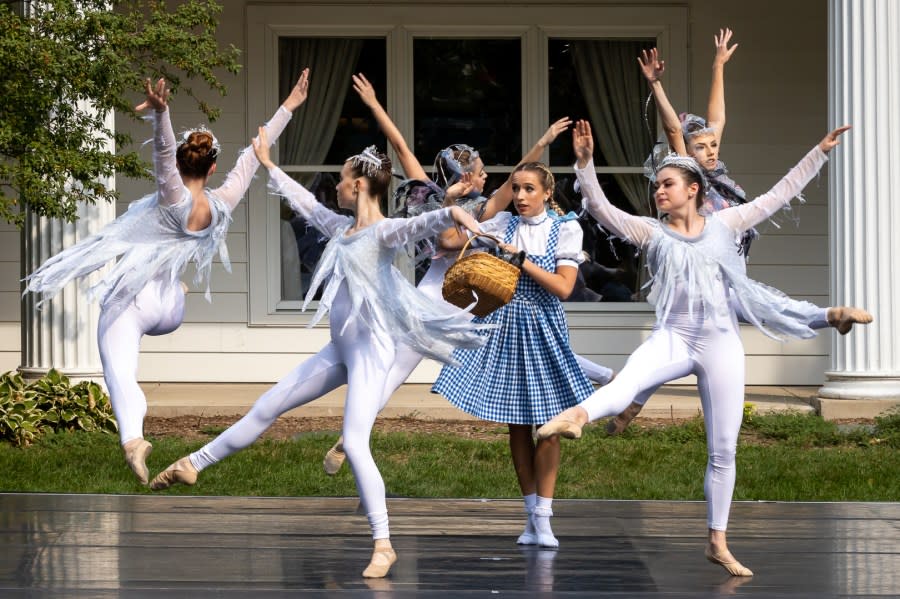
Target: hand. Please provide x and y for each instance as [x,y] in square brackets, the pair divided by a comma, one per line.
[831,140]
[365,90]
[651,66]
[157,97]
[554,130]
[461,188]
[583,143]
[299,92]
[464,220]
[723,52]
[261,148]
[508,248]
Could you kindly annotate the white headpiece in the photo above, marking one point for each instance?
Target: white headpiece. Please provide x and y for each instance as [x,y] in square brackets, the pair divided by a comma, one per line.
[367,161]
[201,129]
[692,125]
[685,162]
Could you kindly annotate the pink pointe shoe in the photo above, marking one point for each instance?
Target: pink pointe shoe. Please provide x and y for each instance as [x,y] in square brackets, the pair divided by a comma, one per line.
[182,472]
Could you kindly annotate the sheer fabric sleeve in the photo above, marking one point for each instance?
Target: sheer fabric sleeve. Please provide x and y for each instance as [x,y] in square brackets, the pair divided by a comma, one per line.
[238,179]
[746,216]
[395,232]
[305,204]
[568,248]
[169,187]
[630,228]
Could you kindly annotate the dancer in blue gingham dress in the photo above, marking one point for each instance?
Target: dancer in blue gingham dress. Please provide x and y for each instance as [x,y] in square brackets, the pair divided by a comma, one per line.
[526,372]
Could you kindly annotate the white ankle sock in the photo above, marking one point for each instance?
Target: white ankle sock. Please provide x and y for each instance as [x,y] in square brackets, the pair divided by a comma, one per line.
[541,520]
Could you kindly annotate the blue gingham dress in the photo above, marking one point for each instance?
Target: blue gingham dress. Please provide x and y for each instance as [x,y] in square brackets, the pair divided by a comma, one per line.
[526,373]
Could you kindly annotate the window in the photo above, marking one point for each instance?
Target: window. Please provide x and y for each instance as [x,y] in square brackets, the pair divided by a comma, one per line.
[496,86]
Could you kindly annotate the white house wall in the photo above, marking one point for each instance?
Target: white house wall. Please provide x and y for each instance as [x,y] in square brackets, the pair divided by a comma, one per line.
[776,87]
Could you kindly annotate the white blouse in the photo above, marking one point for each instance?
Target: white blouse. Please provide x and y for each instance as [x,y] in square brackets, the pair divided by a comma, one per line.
[533,233]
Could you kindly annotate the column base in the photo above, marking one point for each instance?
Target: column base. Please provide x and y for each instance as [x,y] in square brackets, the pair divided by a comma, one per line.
[857,396]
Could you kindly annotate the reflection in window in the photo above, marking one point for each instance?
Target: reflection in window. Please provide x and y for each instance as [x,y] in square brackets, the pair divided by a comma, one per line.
[599,80]
[468,91]
[318,134]
[301,243]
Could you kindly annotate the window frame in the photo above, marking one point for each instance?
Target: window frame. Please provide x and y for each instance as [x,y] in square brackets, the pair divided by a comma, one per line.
[400,25]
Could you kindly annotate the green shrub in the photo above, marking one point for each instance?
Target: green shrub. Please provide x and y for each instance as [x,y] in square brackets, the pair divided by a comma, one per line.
[51,404]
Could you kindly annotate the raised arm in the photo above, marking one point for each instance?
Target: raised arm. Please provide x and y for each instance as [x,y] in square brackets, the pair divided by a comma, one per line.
[396,232]
[653,68]
[715,112]
[503,196]
[300,199]
[238,180]
[632,229]
[740,218]
[408,161]
[170,188]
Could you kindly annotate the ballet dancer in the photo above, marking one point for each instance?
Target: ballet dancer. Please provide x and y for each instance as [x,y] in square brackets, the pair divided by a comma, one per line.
[694,270]
[693,136]
[155,240]
[373,310]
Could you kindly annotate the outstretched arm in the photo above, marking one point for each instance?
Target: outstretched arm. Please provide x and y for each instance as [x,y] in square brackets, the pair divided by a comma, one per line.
[715,112]
[408,161]
[238,180]
[632,229]
[301,200]
[396,232]
[740,218]
[170,188]
[503,196]
[653,68]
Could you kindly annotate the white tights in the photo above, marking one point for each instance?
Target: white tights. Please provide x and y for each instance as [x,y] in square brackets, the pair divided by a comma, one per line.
[357,358]
[814,317]
[714,354]
[157,309]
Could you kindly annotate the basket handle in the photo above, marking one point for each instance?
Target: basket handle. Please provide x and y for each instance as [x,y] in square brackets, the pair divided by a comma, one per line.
[472,238]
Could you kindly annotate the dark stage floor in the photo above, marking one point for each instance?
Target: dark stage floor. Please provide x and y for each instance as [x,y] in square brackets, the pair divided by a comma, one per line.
[152,546]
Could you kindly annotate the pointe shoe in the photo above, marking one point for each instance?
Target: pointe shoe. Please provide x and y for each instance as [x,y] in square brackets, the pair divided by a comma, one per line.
[621,422]
[334,458]
[182,471]
[733,567]
[561,425]
[136,453]
[844,317]
[529,536]
[382,560]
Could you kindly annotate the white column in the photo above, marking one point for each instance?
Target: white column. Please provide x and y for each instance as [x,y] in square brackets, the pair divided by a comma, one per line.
[864,90]
[62,334]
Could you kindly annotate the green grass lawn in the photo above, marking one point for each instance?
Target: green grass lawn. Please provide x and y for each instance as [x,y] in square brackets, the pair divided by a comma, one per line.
[780,457]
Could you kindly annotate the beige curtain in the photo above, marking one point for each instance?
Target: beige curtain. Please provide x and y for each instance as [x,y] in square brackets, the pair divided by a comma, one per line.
[613,89]
[308,136]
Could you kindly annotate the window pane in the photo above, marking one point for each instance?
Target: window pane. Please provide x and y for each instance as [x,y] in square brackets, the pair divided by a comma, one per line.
[468,91]
[318,133]
[301,244]
[610,274]
[599,80]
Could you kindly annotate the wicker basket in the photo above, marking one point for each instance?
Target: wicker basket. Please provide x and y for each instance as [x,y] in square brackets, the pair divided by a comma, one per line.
[482,277]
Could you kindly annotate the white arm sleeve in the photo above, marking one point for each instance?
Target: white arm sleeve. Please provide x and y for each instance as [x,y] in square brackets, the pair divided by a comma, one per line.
[745,216]
[568,248]
[394,232]
[170,189]
[238,180]
[305,204]
[633,229]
